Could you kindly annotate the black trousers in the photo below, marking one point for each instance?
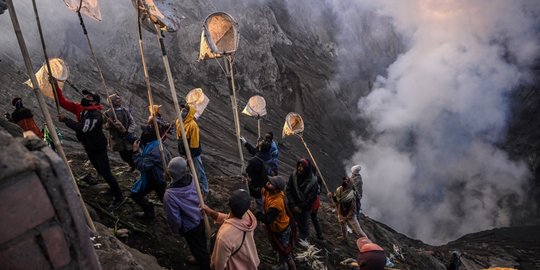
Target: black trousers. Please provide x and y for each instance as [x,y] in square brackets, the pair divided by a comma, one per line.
[316,223]
[196,240]
[126,157]
[302,222]
[100,161]
[140,197]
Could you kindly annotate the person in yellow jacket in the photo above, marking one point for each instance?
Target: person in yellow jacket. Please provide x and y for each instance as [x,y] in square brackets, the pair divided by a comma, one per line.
[277,219]
[192,135]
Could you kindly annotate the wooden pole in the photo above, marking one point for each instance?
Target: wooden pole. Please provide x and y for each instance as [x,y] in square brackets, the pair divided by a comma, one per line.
[232,86]
[149,95]
[44,110]
[314,163]
[94,58]
[49,70]
[182,129]
[258,127]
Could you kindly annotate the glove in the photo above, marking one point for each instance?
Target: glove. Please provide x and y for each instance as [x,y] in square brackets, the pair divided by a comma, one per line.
[243,140]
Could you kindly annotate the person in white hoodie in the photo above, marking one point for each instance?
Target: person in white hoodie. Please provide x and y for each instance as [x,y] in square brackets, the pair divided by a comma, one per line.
[234,247]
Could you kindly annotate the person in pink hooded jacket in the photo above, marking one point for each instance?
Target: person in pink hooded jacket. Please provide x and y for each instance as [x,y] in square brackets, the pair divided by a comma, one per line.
[234,247]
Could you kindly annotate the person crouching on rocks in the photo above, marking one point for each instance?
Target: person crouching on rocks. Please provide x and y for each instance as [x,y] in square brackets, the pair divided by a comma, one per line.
[278,220]
[148,161]
[181,205]
[234,246]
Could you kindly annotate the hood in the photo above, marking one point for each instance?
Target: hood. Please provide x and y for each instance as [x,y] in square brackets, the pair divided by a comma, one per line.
[191,114]
[248,222]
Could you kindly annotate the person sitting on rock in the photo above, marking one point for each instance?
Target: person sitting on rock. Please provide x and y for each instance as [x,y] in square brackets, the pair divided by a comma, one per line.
[278,220]
[181,205]
[148,161]
[121,131]
[370,255]
[346,204]
[193,139]
[270,159]
[89,132]
[23,117]
[235,247]
[302,190]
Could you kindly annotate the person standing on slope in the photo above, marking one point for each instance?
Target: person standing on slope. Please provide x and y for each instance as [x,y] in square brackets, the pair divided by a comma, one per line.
[181,205]
[121,131]
[193,138]
[88,129]
[235,247]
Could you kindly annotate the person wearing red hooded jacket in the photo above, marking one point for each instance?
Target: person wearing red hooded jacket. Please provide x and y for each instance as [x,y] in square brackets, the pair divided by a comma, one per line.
[24,117]
[370,255]
[89,132]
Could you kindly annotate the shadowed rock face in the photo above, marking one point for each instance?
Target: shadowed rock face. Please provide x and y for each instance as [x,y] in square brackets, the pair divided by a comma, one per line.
[286,54]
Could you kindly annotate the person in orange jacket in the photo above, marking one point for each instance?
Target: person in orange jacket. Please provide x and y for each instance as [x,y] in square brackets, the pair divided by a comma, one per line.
[23,117]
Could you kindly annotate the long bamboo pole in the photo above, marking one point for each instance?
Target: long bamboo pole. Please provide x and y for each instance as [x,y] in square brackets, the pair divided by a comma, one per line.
[182,129]
[94,58]
[44,110]
[314,163]
[232,86]
[48,64]
[149,95]
[258,127]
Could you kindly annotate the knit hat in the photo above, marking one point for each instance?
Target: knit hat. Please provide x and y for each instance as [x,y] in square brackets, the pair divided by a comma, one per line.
[177,168]
[239,202]
[356,169]
[278,182]
[365,245]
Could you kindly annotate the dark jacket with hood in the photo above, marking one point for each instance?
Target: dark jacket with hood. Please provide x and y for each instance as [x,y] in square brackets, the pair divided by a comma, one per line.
[302,190]
[257,171]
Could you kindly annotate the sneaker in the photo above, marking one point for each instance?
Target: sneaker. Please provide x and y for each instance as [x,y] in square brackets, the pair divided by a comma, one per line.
[117,203]
[144,215]
[190,259]
[106,192]
[90,180]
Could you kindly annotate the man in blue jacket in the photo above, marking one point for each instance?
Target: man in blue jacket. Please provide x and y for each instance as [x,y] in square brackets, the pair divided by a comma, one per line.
[148,161]
[181,205]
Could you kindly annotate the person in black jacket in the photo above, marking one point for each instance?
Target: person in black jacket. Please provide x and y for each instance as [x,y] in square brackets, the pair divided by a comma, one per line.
[89,132]
[302,190]
[256,171]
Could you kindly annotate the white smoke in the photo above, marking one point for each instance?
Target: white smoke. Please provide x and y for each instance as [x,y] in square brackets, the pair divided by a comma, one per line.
[433,169]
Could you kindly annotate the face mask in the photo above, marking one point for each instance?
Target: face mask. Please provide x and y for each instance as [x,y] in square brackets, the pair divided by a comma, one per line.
[85,102]
[184,113]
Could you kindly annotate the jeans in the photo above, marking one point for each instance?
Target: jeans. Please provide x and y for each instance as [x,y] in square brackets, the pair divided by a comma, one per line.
[100,161]
[203,181]
[140,197]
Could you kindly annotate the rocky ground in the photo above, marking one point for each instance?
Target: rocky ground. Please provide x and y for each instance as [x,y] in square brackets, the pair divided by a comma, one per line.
[511,247]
